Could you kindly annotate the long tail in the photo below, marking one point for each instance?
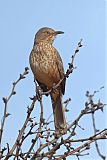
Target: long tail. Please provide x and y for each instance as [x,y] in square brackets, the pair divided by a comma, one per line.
[59,118]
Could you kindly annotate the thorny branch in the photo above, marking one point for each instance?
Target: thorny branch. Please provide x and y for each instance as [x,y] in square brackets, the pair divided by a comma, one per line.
[45,143]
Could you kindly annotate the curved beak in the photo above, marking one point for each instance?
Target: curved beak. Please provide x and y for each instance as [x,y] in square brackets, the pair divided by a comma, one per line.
[59,32]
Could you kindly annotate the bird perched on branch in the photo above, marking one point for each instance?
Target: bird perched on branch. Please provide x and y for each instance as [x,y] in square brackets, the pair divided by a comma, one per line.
[47,67]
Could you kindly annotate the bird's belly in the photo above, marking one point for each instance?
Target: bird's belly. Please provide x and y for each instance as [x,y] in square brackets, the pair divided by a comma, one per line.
[43,73]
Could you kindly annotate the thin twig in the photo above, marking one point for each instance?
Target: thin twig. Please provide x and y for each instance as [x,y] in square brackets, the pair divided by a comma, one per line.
[22,129]
[84,145]
[6,100]
[96,144]
[39,129]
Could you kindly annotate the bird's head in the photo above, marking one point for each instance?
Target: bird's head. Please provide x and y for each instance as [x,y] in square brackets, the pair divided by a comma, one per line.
[46,34]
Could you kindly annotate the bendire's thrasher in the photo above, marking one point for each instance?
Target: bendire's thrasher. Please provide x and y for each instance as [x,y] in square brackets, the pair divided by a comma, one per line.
[47,67]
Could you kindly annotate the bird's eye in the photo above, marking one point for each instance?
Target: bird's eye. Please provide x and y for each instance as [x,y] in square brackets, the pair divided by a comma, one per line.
[47,32]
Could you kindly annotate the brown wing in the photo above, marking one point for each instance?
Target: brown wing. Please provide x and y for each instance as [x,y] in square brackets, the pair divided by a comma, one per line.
[61,72]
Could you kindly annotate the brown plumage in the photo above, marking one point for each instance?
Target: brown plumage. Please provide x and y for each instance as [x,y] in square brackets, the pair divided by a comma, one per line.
[47,67]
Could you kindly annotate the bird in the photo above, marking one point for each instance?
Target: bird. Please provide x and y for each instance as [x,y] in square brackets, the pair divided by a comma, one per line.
[47,67]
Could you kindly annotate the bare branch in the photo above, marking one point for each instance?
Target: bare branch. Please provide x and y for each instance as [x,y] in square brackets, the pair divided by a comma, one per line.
[96,144]
[22,129]
[6,100]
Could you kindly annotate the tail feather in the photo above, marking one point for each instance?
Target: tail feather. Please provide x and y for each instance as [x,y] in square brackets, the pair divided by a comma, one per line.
[59,118]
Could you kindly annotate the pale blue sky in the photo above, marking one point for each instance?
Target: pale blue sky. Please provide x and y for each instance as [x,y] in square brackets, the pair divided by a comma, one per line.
[19,21]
